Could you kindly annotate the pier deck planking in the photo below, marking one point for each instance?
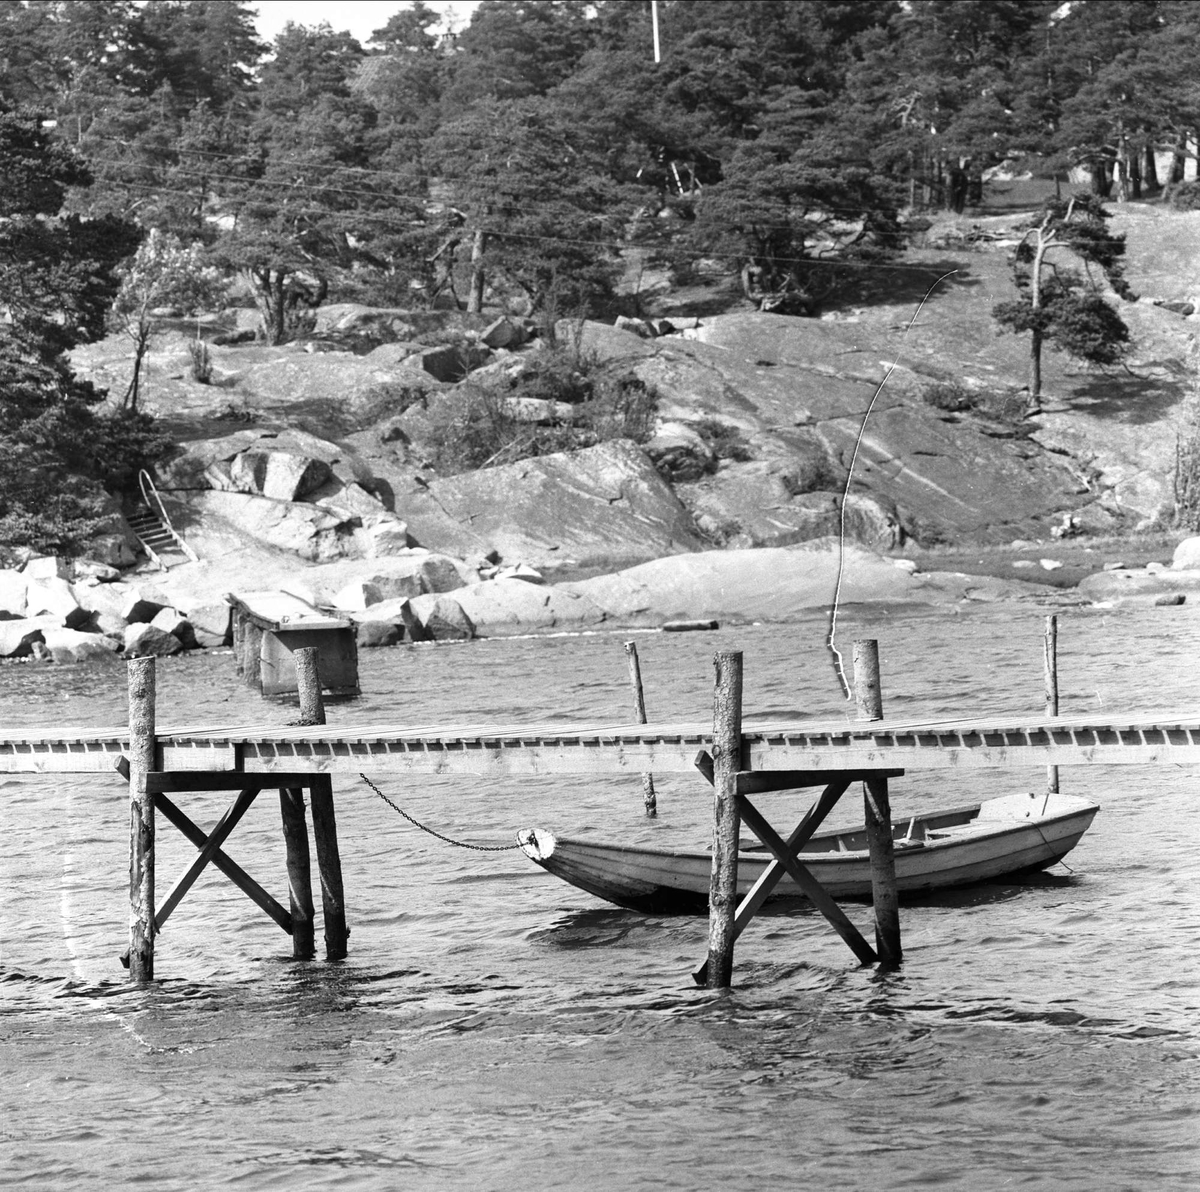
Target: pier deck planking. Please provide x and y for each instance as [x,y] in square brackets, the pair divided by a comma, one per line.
[557,748]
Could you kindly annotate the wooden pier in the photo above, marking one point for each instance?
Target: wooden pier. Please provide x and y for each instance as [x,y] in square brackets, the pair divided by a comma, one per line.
[739,758]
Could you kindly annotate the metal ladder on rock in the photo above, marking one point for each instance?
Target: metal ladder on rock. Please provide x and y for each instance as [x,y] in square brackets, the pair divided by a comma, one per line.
[152,526]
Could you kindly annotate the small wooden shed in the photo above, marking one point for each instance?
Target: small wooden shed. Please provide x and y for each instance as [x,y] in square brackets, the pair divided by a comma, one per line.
[268,626]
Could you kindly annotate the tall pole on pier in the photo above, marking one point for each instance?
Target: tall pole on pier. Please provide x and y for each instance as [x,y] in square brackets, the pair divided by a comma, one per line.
[141,819]
[727,761]
[649,798]
[885,900]
[1050,658]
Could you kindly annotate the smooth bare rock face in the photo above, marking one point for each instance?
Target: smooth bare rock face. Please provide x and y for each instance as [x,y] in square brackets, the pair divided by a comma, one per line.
[55,598]
[442,618]
[146,641]
[12,594]
[1187,555]
[505,606]
[771,373]
[70,645]
[17,638]
[605,506]
[1103,586]
[762,503]
[775,584]
[308,531]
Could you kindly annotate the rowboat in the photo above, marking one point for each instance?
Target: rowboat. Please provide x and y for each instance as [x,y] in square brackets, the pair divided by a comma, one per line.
[997,838]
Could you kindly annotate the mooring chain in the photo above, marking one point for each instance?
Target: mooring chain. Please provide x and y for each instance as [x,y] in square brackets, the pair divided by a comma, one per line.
[479,848]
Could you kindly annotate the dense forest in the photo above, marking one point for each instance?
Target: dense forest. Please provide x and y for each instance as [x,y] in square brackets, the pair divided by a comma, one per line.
[517,160]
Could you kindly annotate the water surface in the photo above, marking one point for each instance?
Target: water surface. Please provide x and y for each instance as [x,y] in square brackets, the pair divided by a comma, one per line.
[496,1029]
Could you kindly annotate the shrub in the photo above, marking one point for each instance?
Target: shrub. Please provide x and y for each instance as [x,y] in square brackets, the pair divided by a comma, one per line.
[478,429]
[202,368]
[1185,196]
[951,396]
[724,440]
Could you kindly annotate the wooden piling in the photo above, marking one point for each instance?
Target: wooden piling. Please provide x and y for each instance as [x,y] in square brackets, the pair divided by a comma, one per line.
[141,819]
[329,859]
[868,697]
[1050,659]
[639,711]
[727,761]
[295,838]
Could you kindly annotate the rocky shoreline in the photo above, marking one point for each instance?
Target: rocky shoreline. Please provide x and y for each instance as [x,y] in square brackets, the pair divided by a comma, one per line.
[62,611]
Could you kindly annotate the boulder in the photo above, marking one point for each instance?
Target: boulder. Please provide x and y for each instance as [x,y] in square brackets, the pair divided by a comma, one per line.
[384,534]
[70,645]
[639,327]
[92,569]
[605,506]
[12,594]
[442,618]
[447,362]
[55,598]
[1187,555]
[505,606]
[145,641]
[17,638]
[679,453]
[209,620]
[346,497]
[280,475]
[47,567]
[503,333]
[309,531]
[1104,586]
[369,634]
[358,595]
[396,611]
[521,571]
[172,621]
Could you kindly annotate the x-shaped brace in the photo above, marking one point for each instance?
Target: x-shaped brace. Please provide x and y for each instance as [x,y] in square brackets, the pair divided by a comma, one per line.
[785,852]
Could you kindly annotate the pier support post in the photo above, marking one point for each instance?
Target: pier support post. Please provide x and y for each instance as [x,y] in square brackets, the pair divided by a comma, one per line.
[1050,658]
[727,761]
[885,900]
[295,839]
[329,858]
[639,712]
[142,747]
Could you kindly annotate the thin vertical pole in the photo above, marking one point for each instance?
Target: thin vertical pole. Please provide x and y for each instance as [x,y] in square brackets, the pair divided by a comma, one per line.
[727,761]
[329,858]
[1050,657]
[868,697]
[639,712]
[142,749]
[654,22]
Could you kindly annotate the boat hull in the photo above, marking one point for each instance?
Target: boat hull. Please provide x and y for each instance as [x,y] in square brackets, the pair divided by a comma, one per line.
[996,839]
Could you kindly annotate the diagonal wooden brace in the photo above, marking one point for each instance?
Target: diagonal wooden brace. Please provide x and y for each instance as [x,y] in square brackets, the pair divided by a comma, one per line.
[814,891]
[771,876]
[230,868]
